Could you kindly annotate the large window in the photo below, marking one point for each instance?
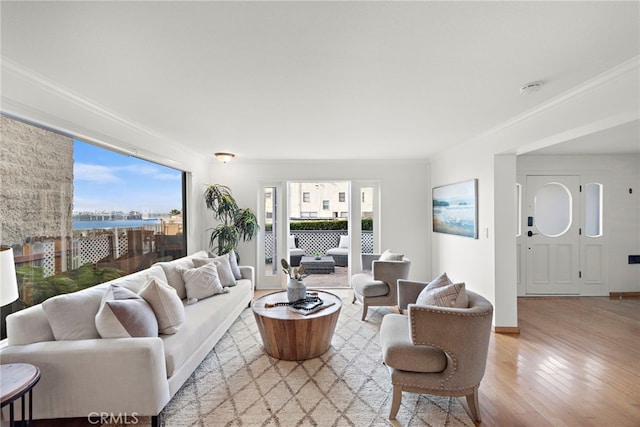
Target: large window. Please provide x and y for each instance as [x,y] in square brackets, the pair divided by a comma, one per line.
[77,215]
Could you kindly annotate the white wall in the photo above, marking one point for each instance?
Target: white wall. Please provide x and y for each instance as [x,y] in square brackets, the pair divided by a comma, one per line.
[621,220]
[405,197]
[604,102]
[465,259]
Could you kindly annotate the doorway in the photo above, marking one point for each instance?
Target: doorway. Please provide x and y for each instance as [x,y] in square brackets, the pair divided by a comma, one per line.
[355,204]
[552,239]
[319,223]
[562,240]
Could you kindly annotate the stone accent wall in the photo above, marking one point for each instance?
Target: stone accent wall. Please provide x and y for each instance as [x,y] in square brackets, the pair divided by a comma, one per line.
[36,183]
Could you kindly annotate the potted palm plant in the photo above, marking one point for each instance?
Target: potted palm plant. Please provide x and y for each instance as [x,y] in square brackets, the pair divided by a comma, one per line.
[235,223]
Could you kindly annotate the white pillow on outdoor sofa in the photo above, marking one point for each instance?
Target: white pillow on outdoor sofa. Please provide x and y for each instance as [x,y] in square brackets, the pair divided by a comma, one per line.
[344,242]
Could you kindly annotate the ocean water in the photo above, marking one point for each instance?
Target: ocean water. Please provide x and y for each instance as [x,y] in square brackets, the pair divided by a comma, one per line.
[121,223]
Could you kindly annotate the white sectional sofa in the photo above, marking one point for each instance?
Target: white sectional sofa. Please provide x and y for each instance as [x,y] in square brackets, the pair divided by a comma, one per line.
[84,374]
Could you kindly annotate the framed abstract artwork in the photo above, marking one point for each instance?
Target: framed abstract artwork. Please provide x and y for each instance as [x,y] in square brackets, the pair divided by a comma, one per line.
[455,209]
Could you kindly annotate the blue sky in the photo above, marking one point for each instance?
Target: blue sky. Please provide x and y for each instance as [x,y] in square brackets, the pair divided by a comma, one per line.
[105,180]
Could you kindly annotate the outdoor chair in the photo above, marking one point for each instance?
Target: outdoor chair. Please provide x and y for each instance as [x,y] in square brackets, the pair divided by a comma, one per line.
[340,253]
[295,253]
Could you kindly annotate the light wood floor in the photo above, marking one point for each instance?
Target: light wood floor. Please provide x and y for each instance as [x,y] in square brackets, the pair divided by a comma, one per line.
[576,362]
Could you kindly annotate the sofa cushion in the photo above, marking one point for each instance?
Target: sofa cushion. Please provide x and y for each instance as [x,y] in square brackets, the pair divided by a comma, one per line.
[201,282]
[453,295]
[337,251]
[202,320]
[124,314]
[399,352]
[135,281]
[235,268]
[72,316]
[390,256]
[166,304]
[438,282]
[174,278]
[225,274]
[364,285]
[343,242]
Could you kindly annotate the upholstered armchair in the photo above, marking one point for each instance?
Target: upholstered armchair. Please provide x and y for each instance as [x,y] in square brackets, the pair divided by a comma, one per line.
[436,350]
[377,284]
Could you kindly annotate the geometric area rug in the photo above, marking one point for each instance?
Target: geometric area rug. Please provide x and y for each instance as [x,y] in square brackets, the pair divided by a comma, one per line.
[238,384]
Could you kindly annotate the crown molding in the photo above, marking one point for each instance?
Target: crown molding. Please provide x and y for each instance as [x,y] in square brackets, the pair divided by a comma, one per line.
[67,95]
[630,66]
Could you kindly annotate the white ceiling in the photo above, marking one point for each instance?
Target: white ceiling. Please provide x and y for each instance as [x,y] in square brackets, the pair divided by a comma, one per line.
[314,80]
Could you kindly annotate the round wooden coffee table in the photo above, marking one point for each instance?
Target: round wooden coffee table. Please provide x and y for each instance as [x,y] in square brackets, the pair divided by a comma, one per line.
[288,335]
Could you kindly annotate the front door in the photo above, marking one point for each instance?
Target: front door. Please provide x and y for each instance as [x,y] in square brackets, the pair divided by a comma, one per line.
[552,235]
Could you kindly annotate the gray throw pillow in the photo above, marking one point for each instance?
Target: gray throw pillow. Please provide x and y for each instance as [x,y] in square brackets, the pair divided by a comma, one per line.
[454,296]
[438,282]
[124,314]
[235,268]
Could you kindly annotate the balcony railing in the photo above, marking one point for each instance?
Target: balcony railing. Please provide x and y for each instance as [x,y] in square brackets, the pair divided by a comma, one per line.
[313,241]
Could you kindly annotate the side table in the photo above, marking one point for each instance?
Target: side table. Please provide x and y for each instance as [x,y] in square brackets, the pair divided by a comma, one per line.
[17,380]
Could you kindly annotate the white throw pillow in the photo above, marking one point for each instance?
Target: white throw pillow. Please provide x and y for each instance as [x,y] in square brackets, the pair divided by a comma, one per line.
[344,242]
[390,256]
[201,282]
[166,305]
[124,314]
[438,282]
[72,316]
[225,274]
[453,295]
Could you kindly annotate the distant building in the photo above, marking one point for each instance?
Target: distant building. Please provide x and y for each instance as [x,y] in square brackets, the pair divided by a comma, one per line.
[321,200]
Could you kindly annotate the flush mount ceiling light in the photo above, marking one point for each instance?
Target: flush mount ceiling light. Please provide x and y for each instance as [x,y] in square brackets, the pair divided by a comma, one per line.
[225,157]
[530,88]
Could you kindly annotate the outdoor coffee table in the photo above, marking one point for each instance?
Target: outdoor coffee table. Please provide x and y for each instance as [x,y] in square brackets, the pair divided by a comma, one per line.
[313,265]
[288,335]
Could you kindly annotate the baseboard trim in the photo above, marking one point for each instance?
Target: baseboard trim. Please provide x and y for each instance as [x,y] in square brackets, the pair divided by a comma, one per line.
[506,330]
[622,295]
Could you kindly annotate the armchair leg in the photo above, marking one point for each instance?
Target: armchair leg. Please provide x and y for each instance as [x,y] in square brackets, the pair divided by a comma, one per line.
[395,403]
[365,308]
[474,407]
